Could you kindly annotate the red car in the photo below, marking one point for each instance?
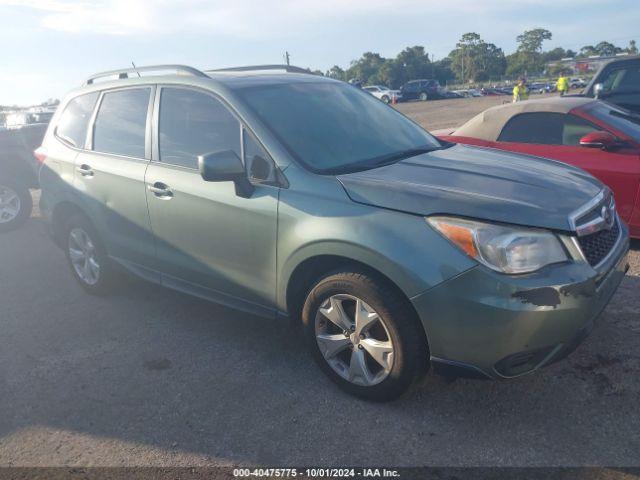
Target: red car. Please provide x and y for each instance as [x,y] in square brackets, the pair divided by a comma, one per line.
[591,134]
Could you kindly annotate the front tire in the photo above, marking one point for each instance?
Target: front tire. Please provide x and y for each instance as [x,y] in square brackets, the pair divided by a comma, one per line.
[87,257]
[15,204]
[423,97]
[386,99]
[364,335]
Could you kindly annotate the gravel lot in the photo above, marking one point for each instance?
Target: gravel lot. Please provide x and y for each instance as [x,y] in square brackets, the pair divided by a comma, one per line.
[153,377]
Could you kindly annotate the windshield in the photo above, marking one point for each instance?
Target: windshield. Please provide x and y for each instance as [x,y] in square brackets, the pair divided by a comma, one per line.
[333,127]
[620,119]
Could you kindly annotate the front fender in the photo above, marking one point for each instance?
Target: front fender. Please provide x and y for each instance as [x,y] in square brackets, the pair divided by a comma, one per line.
[401,246]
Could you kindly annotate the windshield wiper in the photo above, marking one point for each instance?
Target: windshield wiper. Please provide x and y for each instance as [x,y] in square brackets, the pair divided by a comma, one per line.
[397,156]
[384,160]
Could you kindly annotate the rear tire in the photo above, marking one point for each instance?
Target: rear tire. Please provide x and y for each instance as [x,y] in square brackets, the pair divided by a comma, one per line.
[375,355]
[385,99]
[16,204]
[87,257]
[423,97]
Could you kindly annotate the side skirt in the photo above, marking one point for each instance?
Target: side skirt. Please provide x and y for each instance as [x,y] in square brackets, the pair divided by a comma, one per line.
[195,290]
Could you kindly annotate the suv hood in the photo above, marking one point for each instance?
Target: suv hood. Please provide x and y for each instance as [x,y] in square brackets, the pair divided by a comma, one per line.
[481,183]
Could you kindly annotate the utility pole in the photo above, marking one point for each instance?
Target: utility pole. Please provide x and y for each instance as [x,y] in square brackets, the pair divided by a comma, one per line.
[286,57]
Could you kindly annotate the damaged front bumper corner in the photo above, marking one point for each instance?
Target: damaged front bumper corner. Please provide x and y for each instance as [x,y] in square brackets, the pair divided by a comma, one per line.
[484,324]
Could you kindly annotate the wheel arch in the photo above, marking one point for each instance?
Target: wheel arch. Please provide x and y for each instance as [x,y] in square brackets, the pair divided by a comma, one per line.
[62,212]
[309,269]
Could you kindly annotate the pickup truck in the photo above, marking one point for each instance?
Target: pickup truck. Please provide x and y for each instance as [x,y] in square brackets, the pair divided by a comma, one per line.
[618,82]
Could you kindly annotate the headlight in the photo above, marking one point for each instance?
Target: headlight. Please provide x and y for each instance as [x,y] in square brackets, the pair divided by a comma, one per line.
[506,249]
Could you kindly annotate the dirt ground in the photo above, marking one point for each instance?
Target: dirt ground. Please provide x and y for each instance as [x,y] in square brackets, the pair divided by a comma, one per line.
[439,114]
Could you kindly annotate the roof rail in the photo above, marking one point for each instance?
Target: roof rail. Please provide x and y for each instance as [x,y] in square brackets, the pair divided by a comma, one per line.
[124,73]
[257,68]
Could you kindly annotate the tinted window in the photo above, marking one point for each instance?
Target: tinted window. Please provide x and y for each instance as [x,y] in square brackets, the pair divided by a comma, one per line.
[539,127]
[546,128]
[331,127]
[192,124]
[121,122]
[72,126]
[622,80]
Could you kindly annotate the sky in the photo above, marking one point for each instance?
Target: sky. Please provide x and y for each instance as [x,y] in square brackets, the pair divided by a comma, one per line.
[50,46]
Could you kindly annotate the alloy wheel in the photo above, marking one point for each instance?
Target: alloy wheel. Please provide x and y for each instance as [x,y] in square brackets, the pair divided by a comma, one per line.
[10,204]
[354,340]
[82,253]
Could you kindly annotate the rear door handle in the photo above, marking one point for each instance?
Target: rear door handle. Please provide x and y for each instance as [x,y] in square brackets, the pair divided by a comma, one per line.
[85,170]
[161,190]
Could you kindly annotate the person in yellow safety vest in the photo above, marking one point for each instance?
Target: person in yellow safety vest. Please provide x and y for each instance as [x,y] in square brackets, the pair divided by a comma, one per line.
[520,91]
[563,84]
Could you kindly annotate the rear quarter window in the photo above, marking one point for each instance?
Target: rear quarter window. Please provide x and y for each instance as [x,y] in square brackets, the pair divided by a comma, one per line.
[73,123]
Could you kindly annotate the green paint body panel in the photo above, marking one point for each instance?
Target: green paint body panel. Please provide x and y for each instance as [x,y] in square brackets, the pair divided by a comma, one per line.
[242,252]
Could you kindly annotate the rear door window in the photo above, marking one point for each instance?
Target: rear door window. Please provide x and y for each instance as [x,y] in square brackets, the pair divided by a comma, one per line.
[193,123]
[121,123]
[72,126]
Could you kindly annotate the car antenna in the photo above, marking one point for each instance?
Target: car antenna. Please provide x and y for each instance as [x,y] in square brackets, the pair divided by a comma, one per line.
[135,68]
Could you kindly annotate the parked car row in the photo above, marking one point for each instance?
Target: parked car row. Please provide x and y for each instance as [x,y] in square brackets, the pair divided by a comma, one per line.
[430,89]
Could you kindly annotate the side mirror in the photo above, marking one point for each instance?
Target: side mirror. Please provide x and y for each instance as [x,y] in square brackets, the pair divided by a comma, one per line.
[225,166]
[597,90]
[602,140]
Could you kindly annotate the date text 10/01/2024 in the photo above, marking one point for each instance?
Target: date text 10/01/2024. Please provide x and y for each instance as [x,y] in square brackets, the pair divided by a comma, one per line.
[316,472]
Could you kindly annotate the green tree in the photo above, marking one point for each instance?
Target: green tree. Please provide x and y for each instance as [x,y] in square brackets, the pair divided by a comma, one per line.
[531,40]
[443,72]
[587,51]
[632,49]
[555,54]
[528,57]
[606,49]
[337,73]
[414,63]
[474,59]
[366,68]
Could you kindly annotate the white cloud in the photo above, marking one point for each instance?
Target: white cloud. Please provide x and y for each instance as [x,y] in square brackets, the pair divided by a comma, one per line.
[246,18]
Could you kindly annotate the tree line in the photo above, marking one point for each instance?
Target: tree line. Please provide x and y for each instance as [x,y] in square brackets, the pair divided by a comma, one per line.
[472,60]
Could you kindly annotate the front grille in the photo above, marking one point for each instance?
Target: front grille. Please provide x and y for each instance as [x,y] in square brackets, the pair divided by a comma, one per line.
[596,246]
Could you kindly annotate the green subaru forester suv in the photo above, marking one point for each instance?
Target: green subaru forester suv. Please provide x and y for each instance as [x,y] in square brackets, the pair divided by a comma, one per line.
[287,194]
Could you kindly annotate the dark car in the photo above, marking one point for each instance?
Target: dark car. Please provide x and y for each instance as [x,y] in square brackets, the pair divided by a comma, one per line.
[18,168]
[423,90]
[618,82]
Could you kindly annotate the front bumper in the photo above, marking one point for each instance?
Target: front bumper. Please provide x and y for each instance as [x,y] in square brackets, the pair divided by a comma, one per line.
[485,324]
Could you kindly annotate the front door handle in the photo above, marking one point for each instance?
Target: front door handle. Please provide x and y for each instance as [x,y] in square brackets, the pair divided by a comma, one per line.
[85,170]
[161,190]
